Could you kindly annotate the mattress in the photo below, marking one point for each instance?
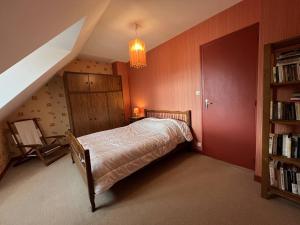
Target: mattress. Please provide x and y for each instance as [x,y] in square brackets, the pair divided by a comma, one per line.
[119,152]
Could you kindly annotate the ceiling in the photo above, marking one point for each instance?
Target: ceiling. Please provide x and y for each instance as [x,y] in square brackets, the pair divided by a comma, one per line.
[27,32]
[160,20]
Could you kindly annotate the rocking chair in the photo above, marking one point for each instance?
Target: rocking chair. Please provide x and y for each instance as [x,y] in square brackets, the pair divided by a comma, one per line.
[31,142]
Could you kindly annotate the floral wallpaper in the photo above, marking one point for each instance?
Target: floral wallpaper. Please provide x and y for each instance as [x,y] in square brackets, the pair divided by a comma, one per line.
[49,105]
[88,66]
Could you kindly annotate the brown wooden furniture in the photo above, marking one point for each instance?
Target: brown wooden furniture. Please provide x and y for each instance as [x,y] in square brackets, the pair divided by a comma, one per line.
[135,118]
[81,156]
[270,91]
[95,102]
[48,149]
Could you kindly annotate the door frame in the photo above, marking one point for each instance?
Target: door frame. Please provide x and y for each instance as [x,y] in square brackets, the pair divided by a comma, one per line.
[203,84]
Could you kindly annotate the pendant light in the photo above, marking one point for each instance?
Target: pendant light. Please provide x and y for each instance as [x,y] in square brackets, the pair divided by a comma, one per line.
[137,51]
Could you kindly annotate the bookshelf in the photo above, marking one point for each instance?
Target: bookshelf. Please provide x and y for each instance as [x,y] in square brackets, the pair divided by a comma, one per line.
[281,77]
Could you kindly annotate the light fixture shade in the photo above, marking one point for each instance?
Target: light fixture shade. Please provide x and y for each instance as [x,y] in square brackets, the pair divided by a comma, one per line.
[136,111]
[137,53]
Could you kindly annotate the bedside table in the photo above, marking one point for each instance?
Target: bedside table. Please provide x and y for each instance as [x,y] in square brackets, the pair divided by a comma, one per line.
[134,119]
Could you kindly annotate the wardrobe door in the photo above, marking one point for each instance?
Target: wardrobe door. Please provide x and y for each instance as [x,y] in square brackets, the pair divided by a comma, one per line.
[99,112]
[80,113]
[99,83]
[115,83]
[77,82]
[116,108]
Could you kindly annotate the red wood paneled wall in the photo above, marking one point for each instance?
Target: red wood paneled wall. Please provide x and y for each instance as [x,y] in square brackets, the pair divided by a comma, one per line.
[173,72]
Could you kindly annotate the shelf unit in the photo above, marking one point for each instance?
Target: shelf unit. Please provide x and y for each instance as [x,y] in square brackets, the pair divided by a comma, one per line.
[270,90]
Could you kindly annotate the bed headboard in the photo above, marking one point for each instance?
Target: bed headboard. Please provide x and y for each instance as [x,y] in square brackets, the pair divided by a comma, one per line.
[166,114]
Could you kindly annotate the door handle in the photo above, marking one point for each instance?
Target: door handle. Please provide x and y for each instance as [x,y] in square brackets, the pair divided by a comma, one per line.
[207,103]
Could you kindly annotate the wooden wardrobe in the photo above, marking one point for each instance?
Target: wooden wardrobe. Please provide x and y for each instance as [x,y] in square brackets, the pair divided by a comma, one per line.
[95,102]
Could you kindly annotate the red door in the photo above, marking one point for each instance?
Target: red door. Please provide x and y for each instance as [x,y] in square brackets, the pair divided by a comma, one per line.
[229,71]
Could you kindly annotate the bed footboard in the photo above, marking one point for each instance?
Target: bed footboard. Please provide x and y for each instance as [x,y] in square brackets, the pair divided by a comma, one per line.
[81,157]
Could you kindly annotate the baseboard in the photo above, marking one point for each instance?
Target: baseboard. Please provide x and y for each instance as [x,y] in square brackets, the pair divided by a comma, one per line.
[5,169]
[257,178]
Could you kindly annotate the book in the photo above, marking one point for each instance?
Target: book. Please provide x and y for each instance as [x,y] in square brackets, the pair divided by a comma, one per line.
[272,173]
[286,145]
[294,180]
[282,183]
[298,181]
[279,144]
[271,110]
[271,142]
[285,110]
[286,71]
[294,146]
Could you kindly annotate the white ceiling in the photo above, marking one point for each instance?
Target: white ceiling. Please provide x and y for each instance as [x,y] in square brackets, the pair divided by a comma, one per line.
[24,29]
[160,20]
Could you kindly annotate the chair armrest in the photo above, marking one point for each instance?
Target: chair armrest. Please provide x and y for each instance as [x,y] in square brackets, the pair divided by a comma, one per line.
[56,136]
[32,146]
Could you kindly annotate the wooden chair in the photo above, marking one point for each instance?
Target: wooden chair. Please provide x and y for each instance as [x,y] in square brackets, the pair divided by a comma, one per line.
[31,142]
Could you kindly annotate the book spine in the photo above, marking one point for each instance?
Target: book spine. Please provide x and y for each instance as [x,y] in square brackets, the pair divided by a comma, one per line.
[271,141]
[298,181]
[294,181]
[279,110]
[282,186]
[285,179]
[271,110]
[288,147]
[272,173]
[274,80]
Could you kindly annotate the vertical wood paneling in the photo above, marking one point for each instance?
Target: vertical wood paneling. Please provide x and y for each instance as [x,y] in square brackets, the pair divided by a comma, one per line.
[279,20]
[120,68]
[173,72]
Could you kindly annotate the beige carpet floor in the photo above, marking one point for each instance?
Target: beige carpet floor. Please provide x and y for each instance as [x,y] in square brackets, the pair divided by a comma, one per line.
[186,188]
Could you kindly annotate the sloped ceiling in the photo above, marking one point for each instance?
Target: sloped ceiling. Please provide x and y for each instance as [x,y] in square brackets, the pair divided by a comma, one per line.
[160,20]
[28,24]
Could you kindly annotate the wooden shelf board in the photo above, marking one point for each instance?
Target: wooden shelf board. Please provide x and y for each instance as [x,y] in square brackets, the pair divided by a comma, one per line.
[293,161]
[288,83]
[285,194]
[286,122]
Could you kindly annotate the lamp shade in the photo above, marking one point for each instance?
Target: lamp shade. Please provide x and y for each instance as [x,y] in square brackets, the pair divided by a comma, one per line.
[136,111]
[137,53]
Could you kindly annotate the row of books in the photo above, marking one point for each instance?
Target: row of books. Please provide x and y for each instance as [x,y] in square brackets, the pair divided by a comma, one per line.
[284,177]
[295,96]
[286,73]
[284,110]
[287,67]
[287,145]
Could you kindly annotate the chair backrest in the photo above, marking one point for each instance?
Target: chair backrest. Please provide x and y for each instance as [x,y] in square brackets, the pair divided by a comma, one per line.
[26,132]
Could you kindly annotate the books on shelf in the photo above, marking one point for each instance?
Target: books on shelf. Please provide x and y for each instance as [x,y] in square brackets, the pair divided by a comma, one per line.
[284,176]
[284,110]
[295,96]
[287,68]
[287,145]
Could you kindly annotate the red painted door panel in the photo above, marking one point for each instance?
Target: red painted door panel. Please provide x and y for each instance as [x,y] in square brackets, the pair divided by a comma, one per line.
[229,71]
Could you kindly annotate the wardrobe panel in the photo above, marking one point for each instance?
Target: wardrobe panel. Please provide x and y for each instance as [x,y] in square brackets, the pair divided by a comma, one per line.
[77,82]
[99,112]
[81,119]
[116,109]
[115,83]
[99,83]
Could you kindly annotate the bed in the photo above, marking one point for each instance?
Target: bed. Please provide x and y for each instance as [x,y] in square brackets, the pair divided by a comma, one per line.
[104,158]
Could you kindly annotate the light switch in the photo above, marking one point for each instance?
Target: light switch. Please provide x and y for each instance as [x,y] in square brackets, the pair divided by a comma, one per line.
[198,93]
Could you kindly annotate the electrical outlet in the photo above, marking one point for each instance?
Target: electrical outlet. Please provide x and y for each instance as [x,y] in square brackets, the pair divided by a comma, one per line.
[198,93]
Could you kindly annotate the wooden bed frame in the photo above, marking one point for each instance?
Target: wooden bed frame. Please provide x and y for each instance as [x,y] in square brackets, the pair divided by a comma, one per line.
[81,156]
